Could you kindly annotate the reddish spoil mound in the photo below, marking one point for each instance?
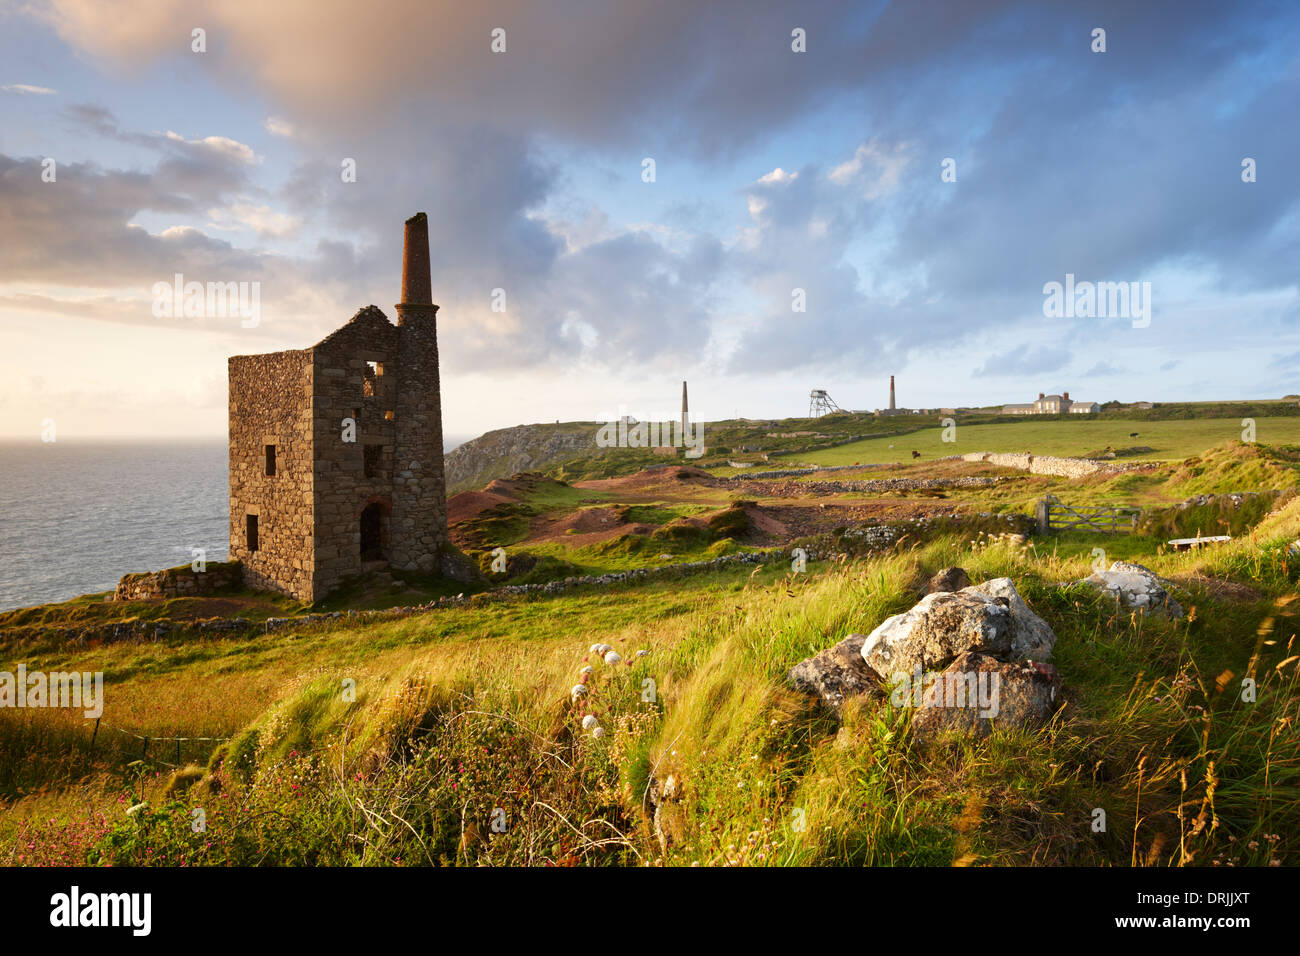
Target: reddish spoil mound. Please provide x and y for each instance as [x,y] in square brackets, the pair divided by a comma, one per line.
[468,505]
[650,477]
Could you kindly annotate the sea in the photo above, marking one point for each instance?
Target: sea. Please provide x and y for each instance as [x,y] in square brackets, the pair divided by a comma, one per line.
[77,515]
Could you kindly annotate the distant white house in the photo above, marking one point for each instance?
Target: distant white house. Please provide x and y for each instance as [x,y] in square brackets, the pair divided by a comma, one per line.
[1052,405]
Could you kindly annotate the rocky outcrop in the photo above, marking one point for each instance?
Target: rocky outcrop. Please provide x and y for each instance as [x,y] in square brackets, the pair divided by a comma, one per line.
[936,630]
[1034,637]
[1136,588]
[947,580]
[455,566]
[836,673]
[968,660]
[977,693]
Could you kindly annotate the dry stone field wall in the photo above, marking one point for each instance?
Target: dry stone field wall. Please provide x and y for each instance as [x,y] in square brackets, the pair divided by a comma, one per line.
[160,628]
[794,472]
[815,469]
[1050,465]
[875,537]
[783,489]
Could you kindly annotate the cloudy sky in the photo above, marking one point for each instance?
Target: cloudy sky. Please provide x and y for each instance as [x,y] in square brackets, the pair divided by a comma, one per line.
[774,171]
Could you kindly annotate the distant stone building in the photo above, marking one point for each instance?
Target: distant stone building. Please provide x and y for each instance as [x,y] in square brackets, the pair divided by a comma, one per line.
[336,450]
[1052,405]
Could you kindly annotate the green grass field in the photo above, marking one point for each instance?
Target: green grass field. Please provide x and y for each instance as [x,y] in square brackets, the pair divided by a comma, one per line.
[458,713]
[396,741]
[1171,440]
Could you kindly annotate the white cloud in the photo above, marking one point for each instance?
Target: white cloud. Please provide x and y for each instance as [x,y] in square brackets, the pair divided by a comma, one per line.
[880,170]
[219,144]
[24,88]
[779,175]
[279,127]
[263,220]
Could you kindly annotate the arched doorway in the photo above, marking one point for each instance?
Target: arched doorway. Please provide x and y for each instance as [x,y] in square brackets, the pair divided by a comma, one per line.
[374,532]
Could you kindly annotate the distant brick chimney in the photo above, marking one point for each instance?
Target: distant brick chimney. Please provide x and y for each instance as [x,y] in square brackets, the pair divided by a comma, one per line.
[892,406]
[1041,395]
[1065,396]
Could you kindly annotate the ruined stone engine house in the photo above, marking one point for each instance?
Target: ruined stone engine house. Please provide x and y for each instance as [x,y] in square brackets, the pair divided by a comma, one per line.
[336,450]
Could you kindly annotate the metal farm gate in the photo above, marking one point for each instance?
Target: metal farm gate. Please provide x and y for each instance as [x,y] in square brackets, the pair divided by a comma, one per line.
[1107,519]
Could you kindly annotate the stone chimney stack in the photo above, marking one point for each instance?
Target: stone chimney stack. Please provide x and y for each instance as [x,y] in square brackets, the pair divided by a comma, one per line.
[892,406]
[419,505]
[1065,397]
[1041,395]
[416,285]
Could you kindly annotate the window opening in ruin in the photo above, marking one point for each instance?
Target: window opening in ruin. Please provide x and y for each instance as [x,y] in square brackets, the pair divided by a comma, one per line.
[372,533]
[371,459]
[250,531]
[389,416]
[270,459]
[370,379]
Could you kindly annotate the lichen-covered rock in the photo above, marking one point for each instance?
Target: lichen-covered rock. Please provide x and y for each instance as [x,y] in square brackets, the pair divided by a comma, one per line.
[949,579]
[453,564]
[936,630]
[836,673]
[1136,588]
[977,693]
[1034,637]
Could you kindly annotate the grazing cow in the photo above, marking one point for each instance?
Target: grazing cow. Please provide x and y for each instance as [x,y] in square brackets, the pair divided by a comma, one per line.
[1132,434]
[916,454]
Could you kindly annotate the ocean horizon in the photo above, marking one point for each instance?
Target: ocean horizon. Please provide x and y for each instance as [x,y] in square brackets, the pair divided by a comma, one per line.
[77,514]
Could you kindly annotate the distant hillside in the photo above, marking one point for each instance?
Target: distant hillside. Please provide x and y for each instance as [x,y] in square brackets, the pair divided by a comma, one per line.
[509,451]
[568,450]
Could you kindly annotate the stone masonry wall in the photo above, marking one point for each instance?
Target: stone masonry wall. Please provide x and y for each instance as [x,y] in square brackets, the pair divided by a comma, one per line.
[419,484]
[270,404]
[177,582]
[343,490]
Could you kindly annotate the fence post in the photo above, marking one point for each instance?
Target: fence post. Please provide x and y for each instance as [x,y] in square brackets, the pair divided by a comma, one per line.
[1044,514]
[92,739]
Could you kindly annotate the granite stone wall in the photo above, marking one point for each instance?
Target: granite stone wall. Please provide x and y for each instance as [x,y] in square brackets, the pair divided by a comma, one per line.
[270,404]
[348,479]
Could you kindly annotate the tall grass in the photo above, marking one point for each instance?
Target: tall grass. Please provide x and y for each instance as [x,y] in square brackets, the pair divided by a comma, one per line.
[464,719]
